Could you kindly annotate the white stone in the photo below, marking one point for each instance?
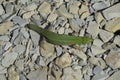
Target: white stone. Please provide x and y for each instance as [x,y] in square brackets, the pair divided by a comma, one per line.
[19,64]
[9,59]
[112,12]
[63,12]
[93,29]
[97,50]
[1,10]
[45,7]
[52,17]
[106,35]
[4,27]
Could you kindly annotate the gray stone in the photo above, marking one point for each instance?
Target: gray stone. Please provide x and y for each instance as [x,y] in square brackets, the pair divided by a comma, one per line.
[19,49]
[106,35]
[22,77]
[37,75]
[2,77]
[3,70]
[1,10]
[4,27]
[9,8]
[35,38]
[112,12]
[63,12]
[59,50]
[93,29]
[24,32]
[97,50]
[100,5]
[7,46]
[20,21]
[9,59]
[114,76]
[70,74]
[99,74]
[31,7]
[4,38]
[117,40]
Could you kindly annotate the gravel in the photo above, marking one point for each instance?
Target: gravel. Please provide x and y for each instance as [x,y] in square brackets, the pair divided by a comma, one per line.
[26,55]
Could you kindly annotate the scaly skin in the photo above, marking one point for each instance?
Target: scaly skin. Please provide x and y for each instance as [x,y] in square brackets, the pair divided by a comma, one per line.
[59,39]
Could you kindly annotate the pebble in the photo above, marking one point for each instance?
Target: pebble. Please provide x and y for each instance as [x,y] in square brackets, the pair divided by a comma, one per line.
[27,15]
[20,21]
[73,9]
[113,25]
[46,49]
[4,27]
[100,5]
[84,11]
[112,12]
[97,50]
[7,46]
[52,17]
[1,10]
[97,42]
[44,8]
[70,74]
[13,75]
[99,74]
[2,77]
[24,33]
[19,49]
[113,60]
[74,25]
[63,12]
[19,65]
[59,50]
[117,40]
[64,60]
[91,26]
[38,75]
[35,38]
[61,30]
[9,8]
[105,35]
[31,7]
[9,59]
[114,76]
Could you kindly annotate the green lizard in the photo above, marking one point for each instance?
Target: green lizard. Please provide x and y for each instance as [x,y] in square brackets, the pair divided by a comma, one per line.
[59,39]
